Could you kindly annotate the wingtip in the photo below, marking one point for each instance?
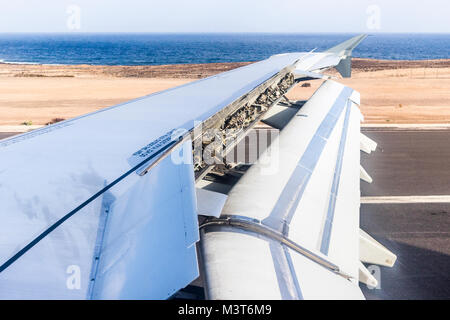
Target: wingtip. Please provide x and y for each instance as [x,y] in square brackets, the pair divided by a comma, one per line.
[344,51]
[346,47]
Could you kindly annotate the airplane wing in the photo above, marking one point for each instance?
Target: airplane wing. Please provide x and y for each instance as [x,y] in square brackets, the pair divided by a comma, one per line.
[104,206]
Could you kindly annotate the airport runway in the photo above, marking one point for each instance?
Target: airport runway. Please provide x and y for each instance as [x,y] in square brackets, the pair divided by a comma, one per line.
[4,135]
[410,164]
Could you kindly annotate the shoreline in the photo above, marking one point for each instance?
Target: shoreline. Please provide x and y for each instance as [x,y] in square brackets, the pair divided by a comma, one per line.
[189,71]
[2,61]
[392,91]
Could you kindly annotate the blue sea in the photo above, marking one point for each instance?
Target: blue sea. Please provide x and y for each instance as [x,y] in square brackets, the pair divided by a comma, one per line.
[159,49]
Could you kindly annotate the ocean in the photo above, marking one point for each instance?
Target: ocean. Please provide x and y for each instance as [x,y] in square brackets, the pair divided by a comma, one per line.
[160,49]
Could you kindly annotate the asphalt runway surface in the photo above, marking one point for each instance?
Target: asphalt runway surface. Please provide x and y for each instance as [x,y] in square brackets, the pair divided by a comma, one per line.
[409,163]
[4,135]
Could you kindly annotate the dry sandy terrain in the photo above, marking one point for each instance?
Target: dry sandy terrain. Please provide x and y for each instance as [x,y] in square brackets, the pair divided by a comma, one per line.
[40,100]
[398,92]
[391,91]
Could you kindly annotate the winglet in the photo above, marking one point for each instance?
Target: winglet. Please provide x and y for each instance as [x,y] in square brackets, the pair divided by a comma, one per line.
[344,50]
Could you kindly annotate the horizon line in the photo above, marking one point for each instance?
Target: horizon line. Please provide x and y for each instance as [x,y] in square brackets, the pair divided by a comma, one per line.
[220,32]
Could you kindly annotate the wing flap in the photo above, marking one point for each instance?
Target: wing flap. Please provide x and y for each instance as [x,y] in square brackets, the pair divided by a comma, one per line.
[136,241]
[305,201]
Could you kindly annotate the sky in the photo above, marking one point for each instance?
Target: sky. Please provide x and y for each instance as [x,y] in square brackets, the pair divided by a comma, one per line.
[284,16]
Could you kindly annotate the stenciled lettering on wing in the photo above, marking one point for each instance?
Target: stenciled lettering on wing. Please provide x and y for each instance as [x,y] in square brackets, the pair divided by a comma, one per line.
[150,149]
[34,133]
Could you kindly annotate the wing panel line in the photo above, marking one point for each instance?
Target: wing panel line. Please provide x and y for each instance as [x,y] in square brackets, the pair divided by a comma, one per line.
[285,207]
[326,235]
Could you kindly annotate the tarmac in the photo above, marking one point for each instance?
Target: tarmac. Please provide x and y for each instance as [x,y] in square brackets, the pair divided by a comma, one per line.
[4,135]
[407,209]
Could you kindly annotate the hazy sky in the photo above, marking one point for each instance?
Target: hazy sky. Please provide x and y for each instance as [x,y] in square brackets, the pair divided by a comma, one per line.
[224,16]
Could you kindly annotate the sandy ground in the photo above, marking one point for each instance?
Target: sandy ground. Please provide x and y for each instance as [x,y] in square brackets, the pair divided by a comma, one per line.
[40,100]
[415,92]
[391,91]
